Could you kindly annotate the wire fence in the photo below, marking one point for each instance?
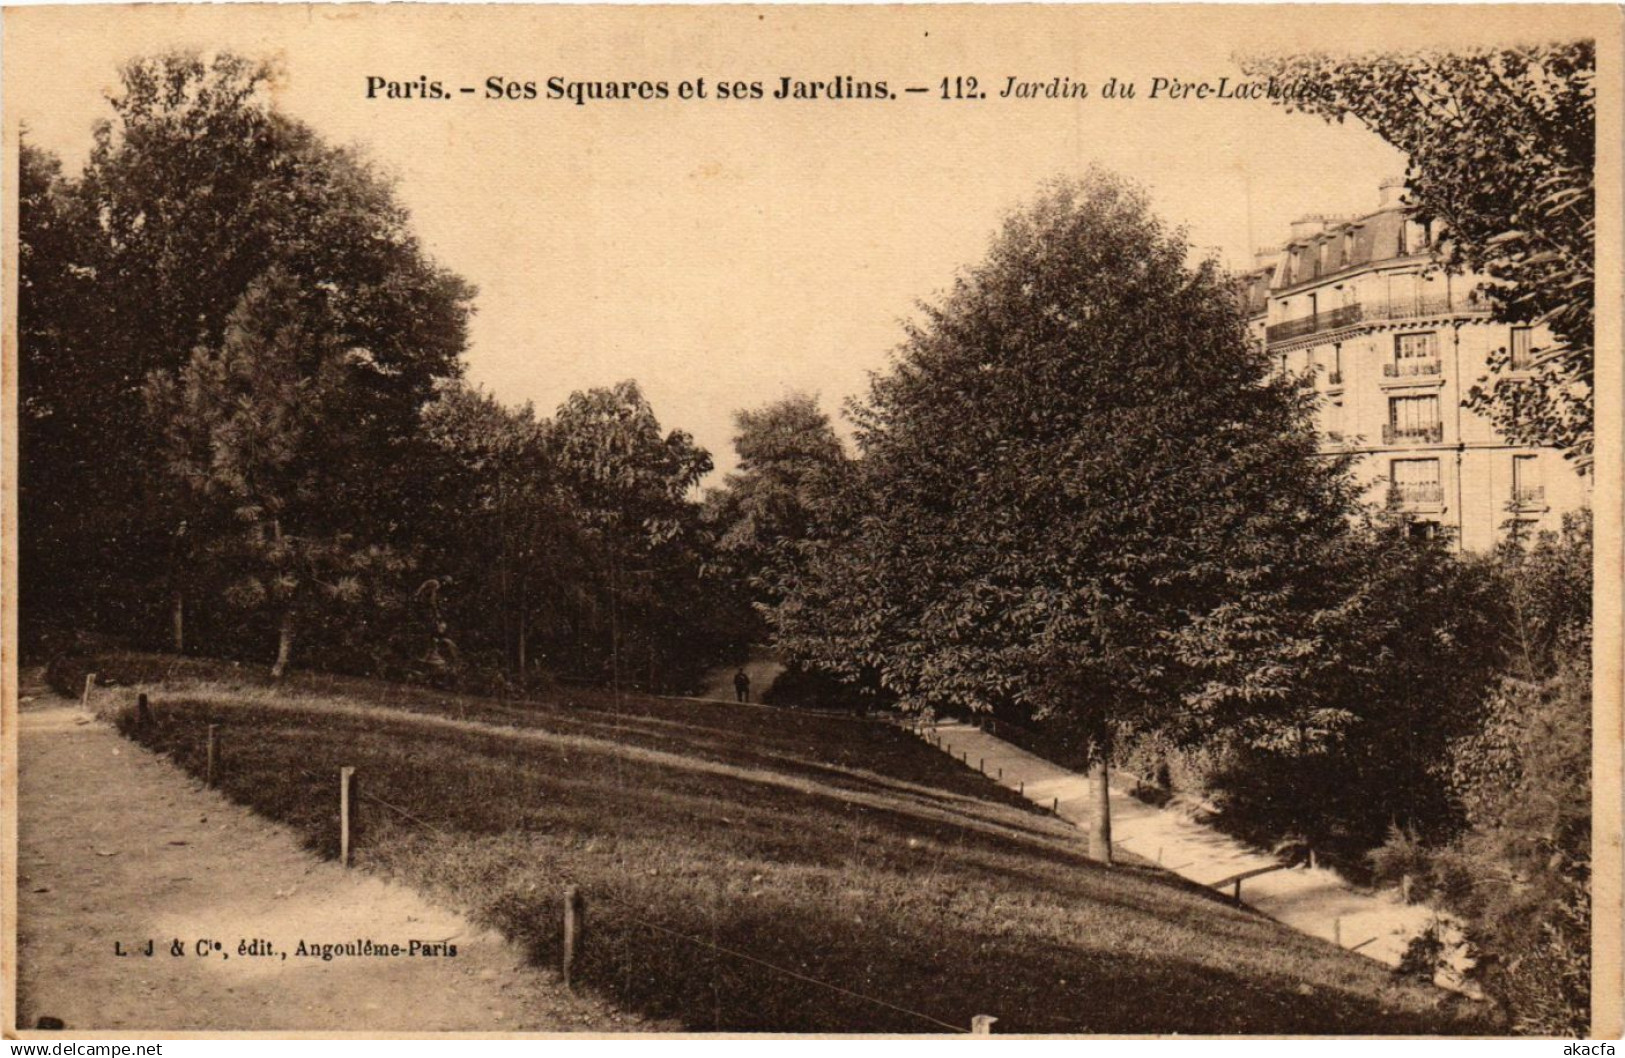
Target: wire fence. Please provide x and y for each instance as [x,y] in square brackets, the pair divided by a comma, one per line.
[626,910]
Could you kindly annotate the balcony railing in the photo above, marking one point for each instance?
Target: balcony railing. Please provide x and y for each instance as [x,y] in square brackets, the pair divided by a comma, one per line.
[1346,316]
[1430,305]
[1431,434]
[1371,311]
[1529,495]
[1411,494]
[1334,379]
[1410,367]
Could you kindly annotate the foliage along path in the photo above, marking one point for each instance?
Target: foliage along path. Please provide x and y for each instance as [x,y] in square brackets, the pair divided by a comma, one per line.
[1314,901]
[117,845]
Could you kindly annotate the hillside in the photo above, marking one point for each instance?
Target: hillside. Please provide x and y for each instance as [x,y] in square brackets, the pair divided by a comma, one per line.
[738,861]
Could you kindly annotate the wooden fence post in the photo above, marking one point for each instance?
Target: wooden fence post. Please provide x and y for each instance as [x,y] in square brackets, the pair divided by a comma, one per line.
[1337,930]
[143,711]
[211,769]
[1055,805]
[1237,897]
[575,914]
[84,699]
[345,852]
[982,1025]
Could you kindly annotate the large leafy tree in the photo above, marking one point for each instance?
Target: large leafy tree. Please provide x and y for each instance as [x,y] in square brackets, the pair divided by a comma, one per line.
[790,461]
[61,397]
[1501,145]
[195,189]
[630,484]
[506,564]
[271,431]
[1408,640]
[1522,872]
[1082,495]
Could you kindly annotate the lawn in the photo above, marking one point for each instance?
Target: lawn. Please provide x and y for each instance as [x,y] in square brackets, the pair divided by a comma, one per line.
[748,868]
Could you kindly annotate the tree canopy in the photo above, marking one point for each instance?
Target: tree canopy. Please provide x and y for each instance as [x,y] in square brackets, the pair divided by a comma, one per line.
[197,189]
[1082,494]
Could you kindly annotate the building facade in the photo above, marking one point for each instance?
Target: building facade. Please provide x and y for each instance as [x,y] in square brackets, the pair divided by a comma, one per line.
[1359,308]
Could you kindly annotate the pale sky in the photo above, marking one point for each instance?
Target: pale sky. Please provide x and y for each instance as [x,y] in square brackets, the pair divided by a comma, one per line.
[727,253]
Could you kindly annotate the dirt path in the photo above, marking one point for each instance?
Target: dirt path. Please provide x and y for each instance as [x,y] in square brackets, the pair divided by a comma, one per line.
[1312,901]
[762,668]
[117,847]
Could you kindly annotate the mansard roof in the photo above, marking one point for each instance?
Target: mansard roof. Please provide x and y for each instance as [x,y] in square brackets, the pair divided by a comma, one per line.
[1346,246]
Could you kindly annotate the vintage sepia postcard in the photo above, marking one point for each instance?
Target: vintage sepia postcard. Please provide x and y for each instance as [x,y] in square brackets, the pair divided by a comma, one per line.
[902,520]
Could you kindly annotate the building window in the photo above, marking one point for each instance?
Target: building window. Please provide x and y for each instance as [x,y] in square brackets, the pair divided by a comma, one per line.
[1334,422]
[1528,490]
[1348,248]
[1414,354]
[1423,530]
[1413,420]
[1334,376]
[1523,353]
[1414,481]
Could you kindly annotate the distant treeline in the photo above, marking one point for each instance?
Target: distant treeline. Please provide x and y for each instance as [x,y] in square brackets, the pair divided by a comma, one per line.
[244,430]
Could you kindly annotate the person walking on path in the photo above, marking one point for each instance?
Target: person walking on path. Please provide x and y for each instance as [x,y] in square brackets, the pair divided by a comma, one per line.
[741,686]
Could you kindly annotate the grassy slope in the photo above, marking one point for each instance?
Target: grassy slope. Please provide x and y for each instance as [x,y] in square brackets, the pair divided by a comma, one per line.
[845,851]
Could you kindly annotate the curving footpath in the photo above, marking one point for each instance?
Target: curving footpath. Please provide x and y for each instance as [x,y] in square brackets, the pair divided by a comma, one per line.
[1311,900]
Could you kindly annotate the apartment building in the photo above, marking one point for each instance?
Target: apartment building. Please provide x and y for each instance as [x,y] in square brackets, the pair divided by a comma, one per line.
[1359,307]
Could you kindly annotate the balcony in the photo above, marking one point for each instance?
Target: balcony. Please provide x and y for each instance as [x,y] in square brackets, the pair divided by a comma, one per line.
[1415,494]
[1529,495]
[1431,305]
[1346,316]
[1411,368]
[1398,435]
[1374,311]
[1334,380]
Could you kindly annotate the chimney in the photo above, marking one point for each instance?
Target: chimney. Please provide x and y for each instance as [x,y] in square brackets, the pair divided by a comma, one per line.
[1305,226]
[1390,192]
[1266,256]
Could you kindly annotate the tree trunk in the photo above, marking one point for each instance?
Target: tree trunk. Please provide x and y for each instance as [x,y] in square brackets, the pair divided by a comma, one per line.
[284,648]
[1100,813]
[178,621]
[614,626]
[522,658]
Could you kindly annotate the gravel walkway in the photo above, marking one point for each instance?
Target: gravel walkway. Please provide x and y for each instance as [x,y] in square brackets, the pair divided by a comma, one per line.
[117,847]
[1313,901]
